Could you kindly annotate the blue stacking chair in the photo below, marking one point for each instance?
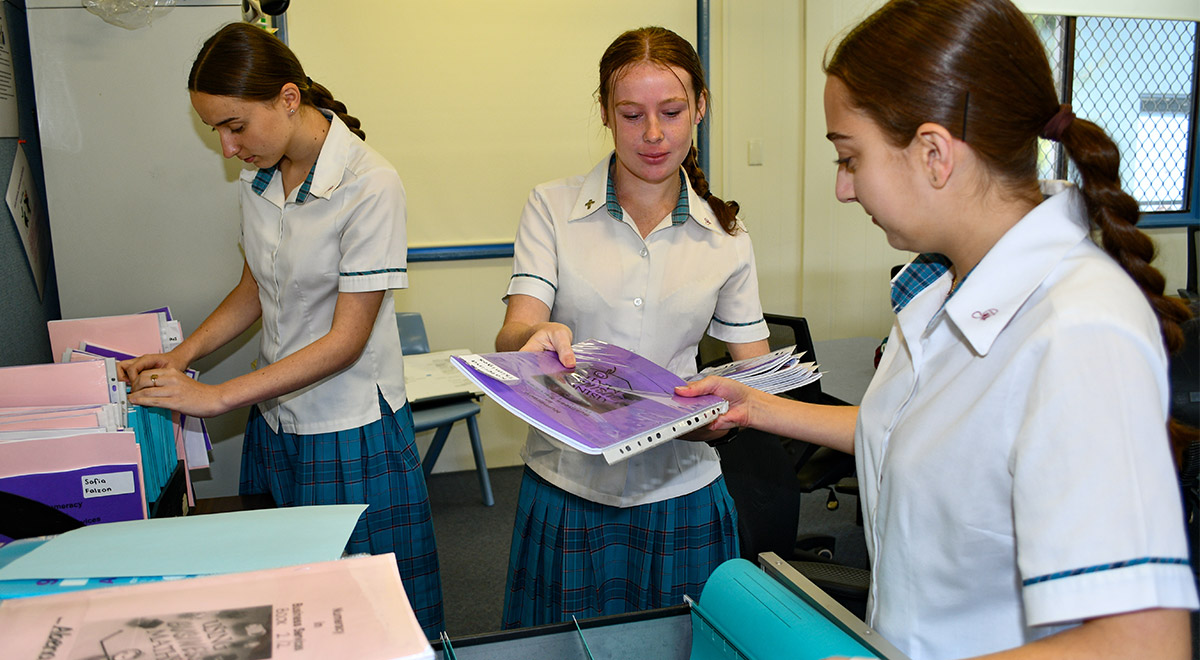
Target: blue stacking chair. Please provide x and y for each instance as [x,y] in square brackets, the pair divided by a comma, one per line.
[442,417]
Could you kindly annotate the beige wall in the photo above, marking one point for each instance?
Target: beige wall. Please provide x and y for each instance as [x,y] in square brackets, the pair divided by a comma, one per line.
[816,257]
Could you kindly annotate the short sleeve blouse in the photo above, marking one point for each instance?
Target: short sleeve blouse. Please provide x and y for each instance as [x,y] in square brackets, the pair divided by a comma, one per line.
[655,296]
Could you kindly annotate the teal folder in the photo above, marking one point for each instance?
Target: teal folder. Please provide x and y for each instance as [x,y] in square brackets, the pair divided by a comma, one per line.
[744,613]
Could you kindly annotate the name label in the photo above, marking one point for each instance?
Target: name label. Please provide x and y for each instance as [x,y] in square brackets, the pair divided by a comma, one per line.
[104,485]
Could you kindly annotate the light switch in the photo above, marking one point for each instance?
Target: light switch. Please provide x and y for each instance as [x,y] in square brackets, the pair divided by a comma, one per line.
[754,152]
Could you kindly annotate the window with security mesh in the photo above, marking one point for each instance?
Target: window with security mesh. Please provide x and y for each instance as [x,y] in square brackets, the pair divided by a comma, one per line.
[1136,78]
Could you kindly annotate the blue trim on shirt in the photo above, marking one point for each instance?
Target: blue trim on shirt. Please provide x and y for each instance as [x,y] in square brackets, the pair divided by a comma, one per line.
[380,271]
[536,277]
[738,325]
[1105,567]
[679,214]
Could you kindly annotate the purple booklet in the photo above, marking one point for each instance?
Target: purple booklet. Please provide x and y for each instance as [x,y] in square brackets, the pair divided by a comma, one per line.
[614,402]
[93,494]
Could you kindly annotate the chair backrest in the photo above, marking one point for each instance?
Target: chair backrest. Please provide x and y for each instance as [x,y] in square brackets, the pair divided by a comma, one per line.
[412,333]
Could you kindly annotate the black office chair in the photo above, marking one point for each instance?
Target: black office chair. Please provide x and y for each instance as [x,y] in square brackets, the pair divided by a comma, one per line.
[442,417]
[766,475]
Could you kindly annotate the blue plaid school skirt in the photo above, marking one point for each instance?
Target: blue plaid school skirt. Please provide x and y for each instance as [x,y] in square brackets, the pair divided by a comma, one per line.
[377,465]
[571,556]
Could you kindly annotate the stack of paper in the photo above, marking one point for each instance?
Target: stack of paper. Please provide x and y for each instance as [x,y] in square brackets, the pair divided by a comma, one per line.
[775,372]
[171,548]
[61,446]
[124,337]
[349,608]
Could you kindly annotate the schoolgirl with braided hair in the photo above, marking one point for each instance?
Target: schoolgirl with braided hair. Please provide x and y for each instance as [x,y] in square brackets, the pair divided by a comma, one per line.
[639,253]
[1017,485]
[323,232]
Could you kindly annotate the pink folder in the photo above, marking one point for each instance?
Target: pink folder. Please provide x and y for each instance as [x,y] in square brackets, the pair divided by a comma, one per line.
[58,384]
[136,334]
[74,418]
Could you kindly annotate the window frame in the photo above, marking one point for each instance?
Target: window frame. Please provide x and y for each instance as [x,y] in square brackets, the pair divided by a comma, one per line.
[1149,219]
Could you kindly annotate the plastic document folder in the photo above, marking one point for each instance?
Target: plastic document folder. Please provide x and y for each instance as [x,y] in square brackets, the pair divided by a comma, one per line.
[746,613]
[613,403]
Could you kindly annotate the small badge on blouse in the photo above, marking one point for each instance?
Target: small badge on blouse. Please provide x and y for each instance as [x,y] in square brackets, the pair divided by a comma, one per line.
[589,203]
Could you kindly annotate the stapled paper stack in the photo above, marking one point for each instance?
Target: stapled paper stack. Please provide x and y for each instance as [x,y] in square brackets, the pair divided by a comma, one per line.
[775,372]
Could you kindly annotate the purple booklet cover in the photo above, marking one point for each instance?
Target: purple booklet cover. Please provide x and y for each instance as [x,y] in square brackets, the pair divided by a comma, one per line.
[93,494]
[614,402]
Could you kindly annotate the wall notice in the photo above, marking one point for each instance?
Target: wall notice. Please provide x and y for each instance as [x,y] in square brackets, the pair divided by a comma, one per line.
[9,125]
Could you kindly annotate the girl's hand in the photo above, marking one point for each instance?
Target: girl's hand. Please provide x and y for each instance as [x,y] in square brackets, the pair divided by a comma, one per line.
[550,336]
[172,389]
[739,396]
[128,370]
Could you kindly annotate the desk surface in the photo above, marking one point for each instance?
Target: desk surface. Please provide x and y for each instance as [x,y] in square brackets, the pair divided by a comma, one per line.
[847,366]
[432,377]
[664,634]
[233,503]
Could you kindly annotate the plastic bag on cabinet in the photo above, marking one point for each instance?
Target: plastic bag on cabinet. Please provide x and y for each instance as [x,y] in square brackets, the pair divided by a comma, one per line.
[129,14]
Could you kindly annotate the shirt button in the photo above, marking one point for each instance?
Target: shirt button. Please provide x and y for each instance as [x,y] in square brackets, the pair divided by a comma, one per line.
[637,302]
[645,252]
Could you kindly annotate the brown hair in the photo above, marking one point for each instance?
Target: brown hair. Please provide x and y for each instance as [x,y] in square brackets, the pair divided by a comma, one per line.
[665,48]
[248,63]
[978,68]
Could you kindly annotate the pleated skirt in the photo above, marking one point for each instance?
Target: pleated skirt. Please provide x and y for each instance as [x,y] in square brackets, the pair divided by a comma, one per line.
[574,557]
[377,465]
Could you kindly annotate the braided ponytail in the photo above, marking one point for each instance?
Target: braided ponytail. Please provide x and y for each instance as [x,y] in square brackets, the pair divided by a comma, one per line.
[321,97]
[1115,213]
[726,212]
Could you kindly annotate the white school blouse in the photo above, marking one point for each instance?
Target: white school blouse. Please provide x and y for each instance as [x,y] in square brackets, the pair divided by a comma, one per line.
[1012,453]
[655,296]
[342,230]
